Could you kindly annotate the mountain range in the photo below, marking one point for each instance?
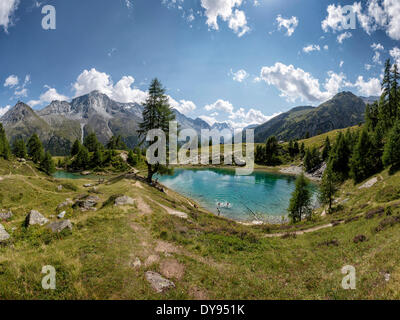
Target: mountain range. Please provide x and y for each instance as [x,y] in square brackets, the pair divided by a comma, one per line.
[60,123]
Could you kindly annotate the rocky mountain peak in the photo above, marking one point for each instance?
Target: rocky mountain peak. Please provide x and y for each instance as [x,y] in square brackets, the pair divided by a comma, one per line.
[19,112]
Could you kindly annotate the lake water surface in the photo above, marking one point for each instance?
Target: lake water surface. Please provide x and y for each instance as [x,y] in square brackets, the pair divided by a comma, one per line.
[259,195]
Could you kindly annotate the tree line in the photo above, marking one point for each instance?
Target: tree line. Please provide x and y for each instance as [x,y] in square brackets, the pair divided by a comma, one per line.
[359,153]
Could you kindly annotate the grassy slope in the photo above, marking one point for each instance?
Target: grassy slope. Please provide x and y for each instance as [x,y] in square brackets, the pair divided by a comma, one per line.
[221,259]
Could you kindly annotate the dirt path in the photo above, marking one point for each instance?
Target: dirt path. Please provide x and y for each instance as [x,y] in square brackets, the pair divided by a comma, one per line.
[170,211]
[313,229]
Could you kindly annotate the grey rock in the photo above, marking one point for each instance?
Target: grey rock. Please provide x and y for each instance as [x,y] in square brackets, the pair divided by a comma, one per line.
[157,282]
[60,187]
[5,215]
[35,217]
[88,185]
[4,236]
[124,200]
[61,215]
[59,226]
[87,203]
[66,203]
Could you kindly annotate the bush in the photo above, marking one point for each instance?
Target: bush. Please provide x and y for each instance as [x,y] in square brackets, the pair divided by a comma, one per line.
[387,194]
[70,186]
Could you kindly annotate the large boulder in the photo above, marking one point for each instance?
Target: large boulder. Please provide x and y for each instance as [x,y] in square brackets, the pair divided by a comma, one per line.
[5,215]
[157,282]
[35,217]
[59,226]
[124,200]
[4,236]
[87,203]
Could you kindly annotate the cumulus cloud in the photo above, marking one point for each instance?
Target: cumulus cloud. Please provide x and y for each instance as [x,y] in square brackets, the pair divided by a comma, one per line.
[395,54]
[122,91]
[240,75]
[343,36]
[372,87]
[289,24]
[11,81]
[48,96]
[297,84]
[183,106]
[7,9]
[377,14]
[377,47]
[227,11]
[341,64]
[311,48]
[4,110]
[220,105]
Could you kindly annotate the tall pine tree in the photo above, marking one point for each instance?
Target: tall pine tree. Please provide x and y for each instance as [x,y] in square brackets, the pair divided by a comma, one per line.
[35,148]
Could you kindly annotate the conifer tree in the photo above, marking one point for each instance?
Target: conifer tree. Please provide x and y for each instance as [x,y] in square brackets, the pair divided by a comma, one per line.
[75,148]
[19,148]
[132,158]
[157,114]
[363,163]
[35,148]
[271,151]
[328,188]
[327,149]
[339,157]
[4,145]
[47,164]
[97,159]
[91,142]
[300,203]
[391,155]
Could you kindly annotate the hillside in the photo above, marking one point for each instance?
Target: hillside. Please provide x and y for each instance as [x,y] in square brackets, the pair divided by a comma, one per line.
[342,111]
[109,250]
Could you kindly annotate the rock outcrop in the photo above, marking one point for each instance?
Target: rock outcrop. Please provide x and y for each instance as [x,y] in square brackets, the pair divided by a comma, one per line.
[157,282]
[35,217]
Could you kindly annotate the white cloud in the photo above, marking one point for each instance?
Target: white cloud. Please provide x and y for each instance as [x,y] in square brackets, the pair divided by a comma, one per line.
[377,58]
[382,14]
[47,97]
[372,87]
[220,105]
[326,47]
[367,66]
[344,36]
[289,24]
[224,9]
[123,91]
[238,23]
[238,119]
[21,92]
[11,81]
[341,63]
[4,110]
[377,47]
[311,48]
[295,83]
[183,106]
[395,54]
[240,75]
[7,9]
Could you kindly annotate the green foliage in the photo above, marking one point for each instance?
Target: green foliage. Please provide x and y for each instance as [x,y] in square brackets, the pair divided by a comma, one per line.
[327,149]
[328,188]
[35,148]
[19,148]
[76,147]
[391,155]
[47,164]
[4,145]
[91,142]
[81,160]
[97,159]
[116,143]
[300,203]
[340,156]
[312,159]
[268,154]
[132,158]
[364,162]
[157,114]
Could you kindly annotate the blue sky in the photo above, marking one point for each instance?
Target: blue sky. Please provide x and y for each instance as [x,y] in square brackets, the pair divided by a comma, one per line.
[224,60]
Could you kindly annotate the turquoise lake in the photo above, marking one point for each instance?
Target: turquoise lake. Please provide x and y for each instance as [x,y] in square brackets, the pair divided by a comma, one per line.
[260,196]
